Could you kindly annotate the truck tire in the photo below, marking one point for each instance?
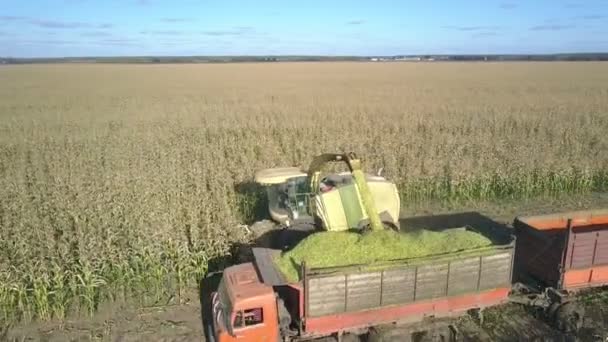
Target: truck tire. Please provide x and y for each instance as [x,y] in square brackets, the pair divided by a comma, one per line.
[208,285]
[284,316]
[209,336]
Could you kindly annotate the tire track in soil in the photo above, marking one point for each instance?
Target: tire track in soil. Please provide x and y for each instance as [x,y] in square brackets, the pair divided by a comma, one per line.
[507,323]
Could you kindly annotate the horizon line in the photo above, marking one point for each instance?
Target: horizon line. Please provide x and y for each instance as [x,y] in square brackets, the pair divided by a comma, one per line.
[308,56]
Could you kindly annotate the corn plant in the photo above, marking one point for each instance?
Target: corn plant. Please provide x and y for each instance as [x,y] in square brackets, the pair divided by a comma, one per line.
[130,183]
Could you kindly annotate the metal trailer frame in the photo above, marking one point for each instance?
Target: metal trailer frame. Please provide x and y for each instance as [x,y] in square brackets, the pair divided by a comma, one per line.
[354,298]
[566,251]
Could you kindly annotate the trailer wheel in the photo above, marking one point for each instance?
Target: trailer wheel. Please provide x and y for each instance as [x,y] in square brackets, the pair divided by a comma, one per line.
[477,316]
[569,317]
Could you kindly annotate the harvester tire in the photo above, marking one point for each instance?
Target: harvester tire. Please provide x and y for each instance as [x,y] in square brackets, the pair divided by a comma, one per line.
[292,235]
[262,233]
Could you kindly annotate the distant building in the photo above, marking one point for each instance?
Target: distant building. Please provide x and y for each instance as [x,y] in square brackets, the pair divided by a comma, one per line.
[408,58]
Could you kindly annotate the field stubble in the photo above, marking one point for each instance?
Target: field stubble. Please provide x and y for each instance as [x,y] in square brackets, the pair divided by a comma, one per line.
[126,181]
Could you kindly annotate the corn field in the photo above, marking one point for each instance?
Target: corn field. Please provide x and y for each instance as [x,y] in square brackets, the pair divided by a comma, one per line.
[130,181]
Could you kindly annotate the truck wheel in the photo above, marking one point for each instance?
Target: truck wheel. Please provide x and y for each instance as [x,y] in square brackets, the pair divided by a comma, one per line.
[207,285]
[284,316]
[209,336]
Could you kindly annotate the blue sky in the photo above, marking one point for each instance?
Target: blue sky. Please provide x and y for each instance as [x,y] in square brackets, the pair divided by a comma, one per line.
[53,28]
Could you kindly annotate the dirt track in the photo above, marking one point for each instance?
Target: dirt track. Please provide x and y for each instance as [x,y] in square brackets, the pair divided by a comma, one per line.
[123,322]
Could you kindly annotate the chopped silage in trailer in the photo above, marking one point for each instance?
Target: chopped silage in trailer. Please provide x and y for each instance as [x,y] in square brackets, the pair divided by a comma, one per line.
[333,249]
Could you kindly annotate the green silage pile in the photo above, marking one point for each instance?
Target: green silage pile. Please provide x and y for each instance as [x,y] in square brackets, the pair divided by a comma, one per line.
[329,249]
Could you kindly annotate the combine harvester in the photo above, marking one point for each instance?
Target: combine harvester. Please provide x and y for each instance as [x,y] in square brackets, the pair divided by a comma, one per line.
[556,255]
[302,202]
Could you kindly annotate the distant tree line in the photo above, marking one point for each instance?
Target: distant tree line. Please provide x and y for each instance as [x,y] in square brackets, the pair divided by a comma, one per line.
[262,59]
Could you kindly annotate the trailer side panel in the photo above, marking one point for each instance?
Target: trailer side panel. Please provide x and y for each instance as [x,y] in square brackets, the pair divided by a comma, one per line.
[350,299]
[586,264]
[588,247]
[408,313]
[582,249]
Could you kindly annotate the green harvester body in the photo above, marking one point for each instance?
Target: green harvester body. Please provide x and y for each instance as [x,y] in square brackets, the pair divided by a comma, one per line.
[336,202]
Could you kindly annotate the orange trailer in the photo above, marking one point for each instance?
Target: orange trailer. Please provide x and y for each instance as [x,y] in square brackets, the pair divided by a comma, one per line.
[566,251]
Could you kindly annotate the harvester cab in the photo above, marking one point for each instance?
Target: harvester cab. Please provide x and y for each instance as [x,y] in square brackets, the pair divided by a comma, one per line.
[334,201]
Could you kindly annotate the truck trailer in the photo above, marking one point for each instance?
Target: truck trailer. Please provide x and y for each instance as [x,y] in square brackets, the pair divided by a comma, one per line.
[565,251]
[255,302]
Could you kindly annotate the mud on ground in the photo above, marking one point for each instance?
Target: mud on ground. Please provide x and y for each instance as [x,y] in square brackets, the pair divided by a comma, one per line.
[125,322]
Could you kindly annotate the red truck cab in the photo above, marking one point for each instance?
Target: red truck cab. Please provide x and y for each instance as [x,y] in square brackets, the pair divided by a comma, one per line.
[243,308]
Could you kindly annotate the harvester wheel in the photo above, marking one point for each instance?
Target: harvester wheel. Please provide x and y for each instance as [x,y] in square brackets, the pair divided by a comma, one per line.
[292,235]
[262,233]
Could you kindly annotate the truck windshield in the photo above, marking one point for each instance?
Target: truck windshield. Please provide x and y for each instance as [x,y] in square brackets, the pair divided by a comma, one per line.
[225,304]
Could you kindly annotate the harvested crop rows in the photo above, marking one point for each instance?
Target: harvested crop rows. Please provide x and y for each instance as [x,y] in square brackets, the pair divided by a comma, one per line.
[126,181]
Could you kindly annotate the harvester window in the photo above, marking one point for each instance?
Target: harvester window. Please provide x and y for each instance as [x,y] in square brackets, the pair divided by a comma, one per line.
[248,318]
